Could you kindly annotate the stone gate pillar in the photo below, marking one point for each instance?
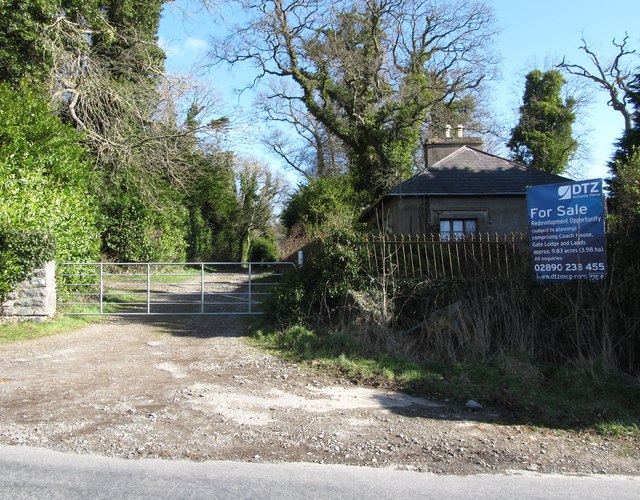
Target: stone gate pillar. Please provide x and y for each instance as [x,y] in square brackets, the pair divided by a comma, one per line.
[34,299]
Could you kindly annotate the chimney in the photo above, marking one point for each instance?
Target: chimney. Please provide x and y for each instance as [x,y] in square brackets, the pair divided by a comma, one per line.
[435,149]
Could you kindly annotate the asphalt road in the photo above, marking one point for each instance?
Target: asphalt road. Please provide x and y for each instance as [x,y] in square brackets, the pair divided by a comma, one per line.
[32,473]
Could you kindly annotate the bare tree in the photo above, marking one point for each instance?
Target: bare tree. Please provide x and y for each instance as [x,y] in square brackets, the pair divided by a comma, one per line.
[613,76]
[295,136]
[140,123]
[368,70]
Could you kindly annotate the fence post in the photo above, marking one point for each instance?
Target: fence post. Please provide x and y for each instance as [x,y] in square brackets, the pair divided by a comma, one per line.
[201,287]
[249,287]
[101,287]
[148,288]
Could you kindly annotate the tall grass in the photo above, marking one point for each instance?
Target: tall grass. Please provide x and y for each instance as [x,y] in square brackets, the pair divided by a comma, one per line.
[483,320]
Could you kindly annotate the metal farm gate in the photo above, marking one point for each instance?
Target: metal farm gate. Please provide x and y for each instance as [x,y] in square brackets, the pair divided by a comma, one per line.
[166,288]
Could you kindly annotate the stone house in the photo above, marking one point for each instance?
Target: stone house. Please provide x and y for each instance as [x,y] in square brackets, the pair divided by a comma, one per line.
[462,191]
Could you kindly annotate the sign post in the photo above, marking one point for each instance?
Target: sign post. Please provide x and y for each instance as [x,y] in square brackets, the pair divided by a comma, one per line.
[567,231]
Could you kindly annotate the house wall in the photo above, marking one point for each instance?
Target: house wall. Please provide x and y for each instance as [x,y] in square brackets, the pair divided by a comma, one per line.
[400,215]
[497,214]
[418,214]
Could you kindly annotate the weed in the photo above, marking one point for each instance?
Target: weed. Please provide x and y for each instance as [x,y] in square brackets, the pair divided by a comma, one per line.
[618,429]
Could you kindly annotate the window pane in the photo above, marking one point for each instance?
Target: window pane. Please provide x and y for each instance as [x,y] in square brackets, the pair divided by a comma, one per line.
[457,229]
[470,227]
[445,230]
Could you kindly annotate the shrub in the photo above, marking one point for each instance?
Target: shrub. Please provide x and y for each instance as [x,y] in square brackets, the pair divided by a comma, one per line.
[135,232]
[315,292]
[457,321]
[326,201]
[263,249]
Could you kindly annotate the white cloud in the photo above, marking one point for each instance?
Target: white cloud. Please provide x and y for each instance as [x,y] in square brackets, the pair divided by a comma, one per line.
[196,44]
[170,48]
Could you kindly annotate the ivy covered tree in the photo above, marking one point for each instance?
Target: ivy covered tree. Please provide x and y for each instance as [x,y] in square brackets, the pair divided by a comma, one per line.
[368,71]
[146,133]
[21,25]
[213,208]
[543,138]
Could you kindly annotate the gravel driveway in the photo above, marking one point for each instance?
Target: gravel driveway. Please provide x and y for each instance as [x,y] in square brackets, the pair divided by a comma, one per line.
[191,388]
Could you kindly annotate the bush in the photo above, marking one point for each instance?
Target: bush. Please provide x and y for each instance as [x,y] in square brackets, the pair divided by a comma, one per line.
[326,201]
[135,232]
[457,321]
[315,292]
[263,249]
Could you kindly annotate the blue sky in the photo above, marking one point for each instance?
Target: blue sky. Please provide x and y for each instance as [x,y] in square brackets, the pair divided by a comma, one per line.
[535,33]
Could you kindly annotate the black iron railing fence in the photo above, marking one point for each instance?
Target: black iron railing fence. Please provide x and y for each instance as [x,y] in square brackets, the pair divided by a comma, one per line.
[436,257]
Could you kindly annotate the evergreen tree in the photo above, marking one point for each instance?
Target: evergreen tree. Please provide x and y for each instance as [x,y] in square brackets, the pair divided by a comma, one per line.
[624,185]
[543,138]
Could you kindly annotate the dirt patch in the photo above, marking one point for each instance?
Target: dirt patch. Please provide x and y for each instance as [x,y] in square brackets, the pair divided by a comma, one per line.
[192,388]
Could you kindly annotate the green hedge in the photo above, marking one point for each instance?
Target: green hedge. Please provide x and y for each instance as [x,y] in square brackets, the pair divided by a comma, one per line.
[44,176]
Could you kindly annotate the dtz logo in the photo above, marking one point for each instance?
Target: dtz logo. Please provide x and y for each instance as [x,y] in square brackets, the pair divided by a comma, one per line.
[579,190]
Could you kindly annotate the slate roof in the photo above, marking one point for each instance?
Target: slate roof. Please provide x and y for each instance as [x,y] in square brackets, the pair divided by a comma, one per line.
[470,171]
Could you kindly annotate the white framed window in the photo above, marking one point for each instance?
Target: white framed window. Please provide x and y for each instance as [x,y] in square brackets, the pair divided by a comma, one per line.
[457,229]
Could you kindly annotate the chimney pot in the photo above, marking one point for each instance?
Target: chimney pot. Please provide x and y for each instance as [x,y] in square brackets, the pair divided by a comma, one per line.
[437,148]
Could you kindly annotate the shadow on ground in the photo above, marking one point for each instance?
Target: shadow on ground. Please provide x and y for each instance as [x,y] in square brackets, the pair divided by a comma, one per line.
[195,326]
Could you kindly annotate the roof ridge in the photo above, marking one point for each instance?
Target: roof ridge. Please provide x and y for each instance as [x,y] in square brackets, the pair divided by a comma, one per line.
[485,153]
[520,166]
[451,155]
[516,163]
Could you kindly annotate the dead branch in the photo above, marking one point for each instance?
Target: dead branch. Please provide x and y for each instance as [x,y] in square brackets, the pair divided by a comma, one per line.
[613,76]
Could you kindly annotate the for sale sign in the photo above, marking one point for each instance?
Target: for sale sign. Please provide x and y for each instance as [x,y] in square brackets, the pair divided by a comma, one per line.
[567,231]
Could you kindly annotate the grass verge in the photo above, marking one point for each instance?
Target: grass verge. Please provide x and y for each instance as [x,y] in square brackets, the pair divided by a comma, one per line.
[13,332]
[569,397]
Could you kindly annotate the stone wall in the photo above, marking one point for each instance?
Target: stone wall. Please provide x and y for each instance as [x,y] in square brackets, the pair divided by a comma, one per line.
[34,299]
